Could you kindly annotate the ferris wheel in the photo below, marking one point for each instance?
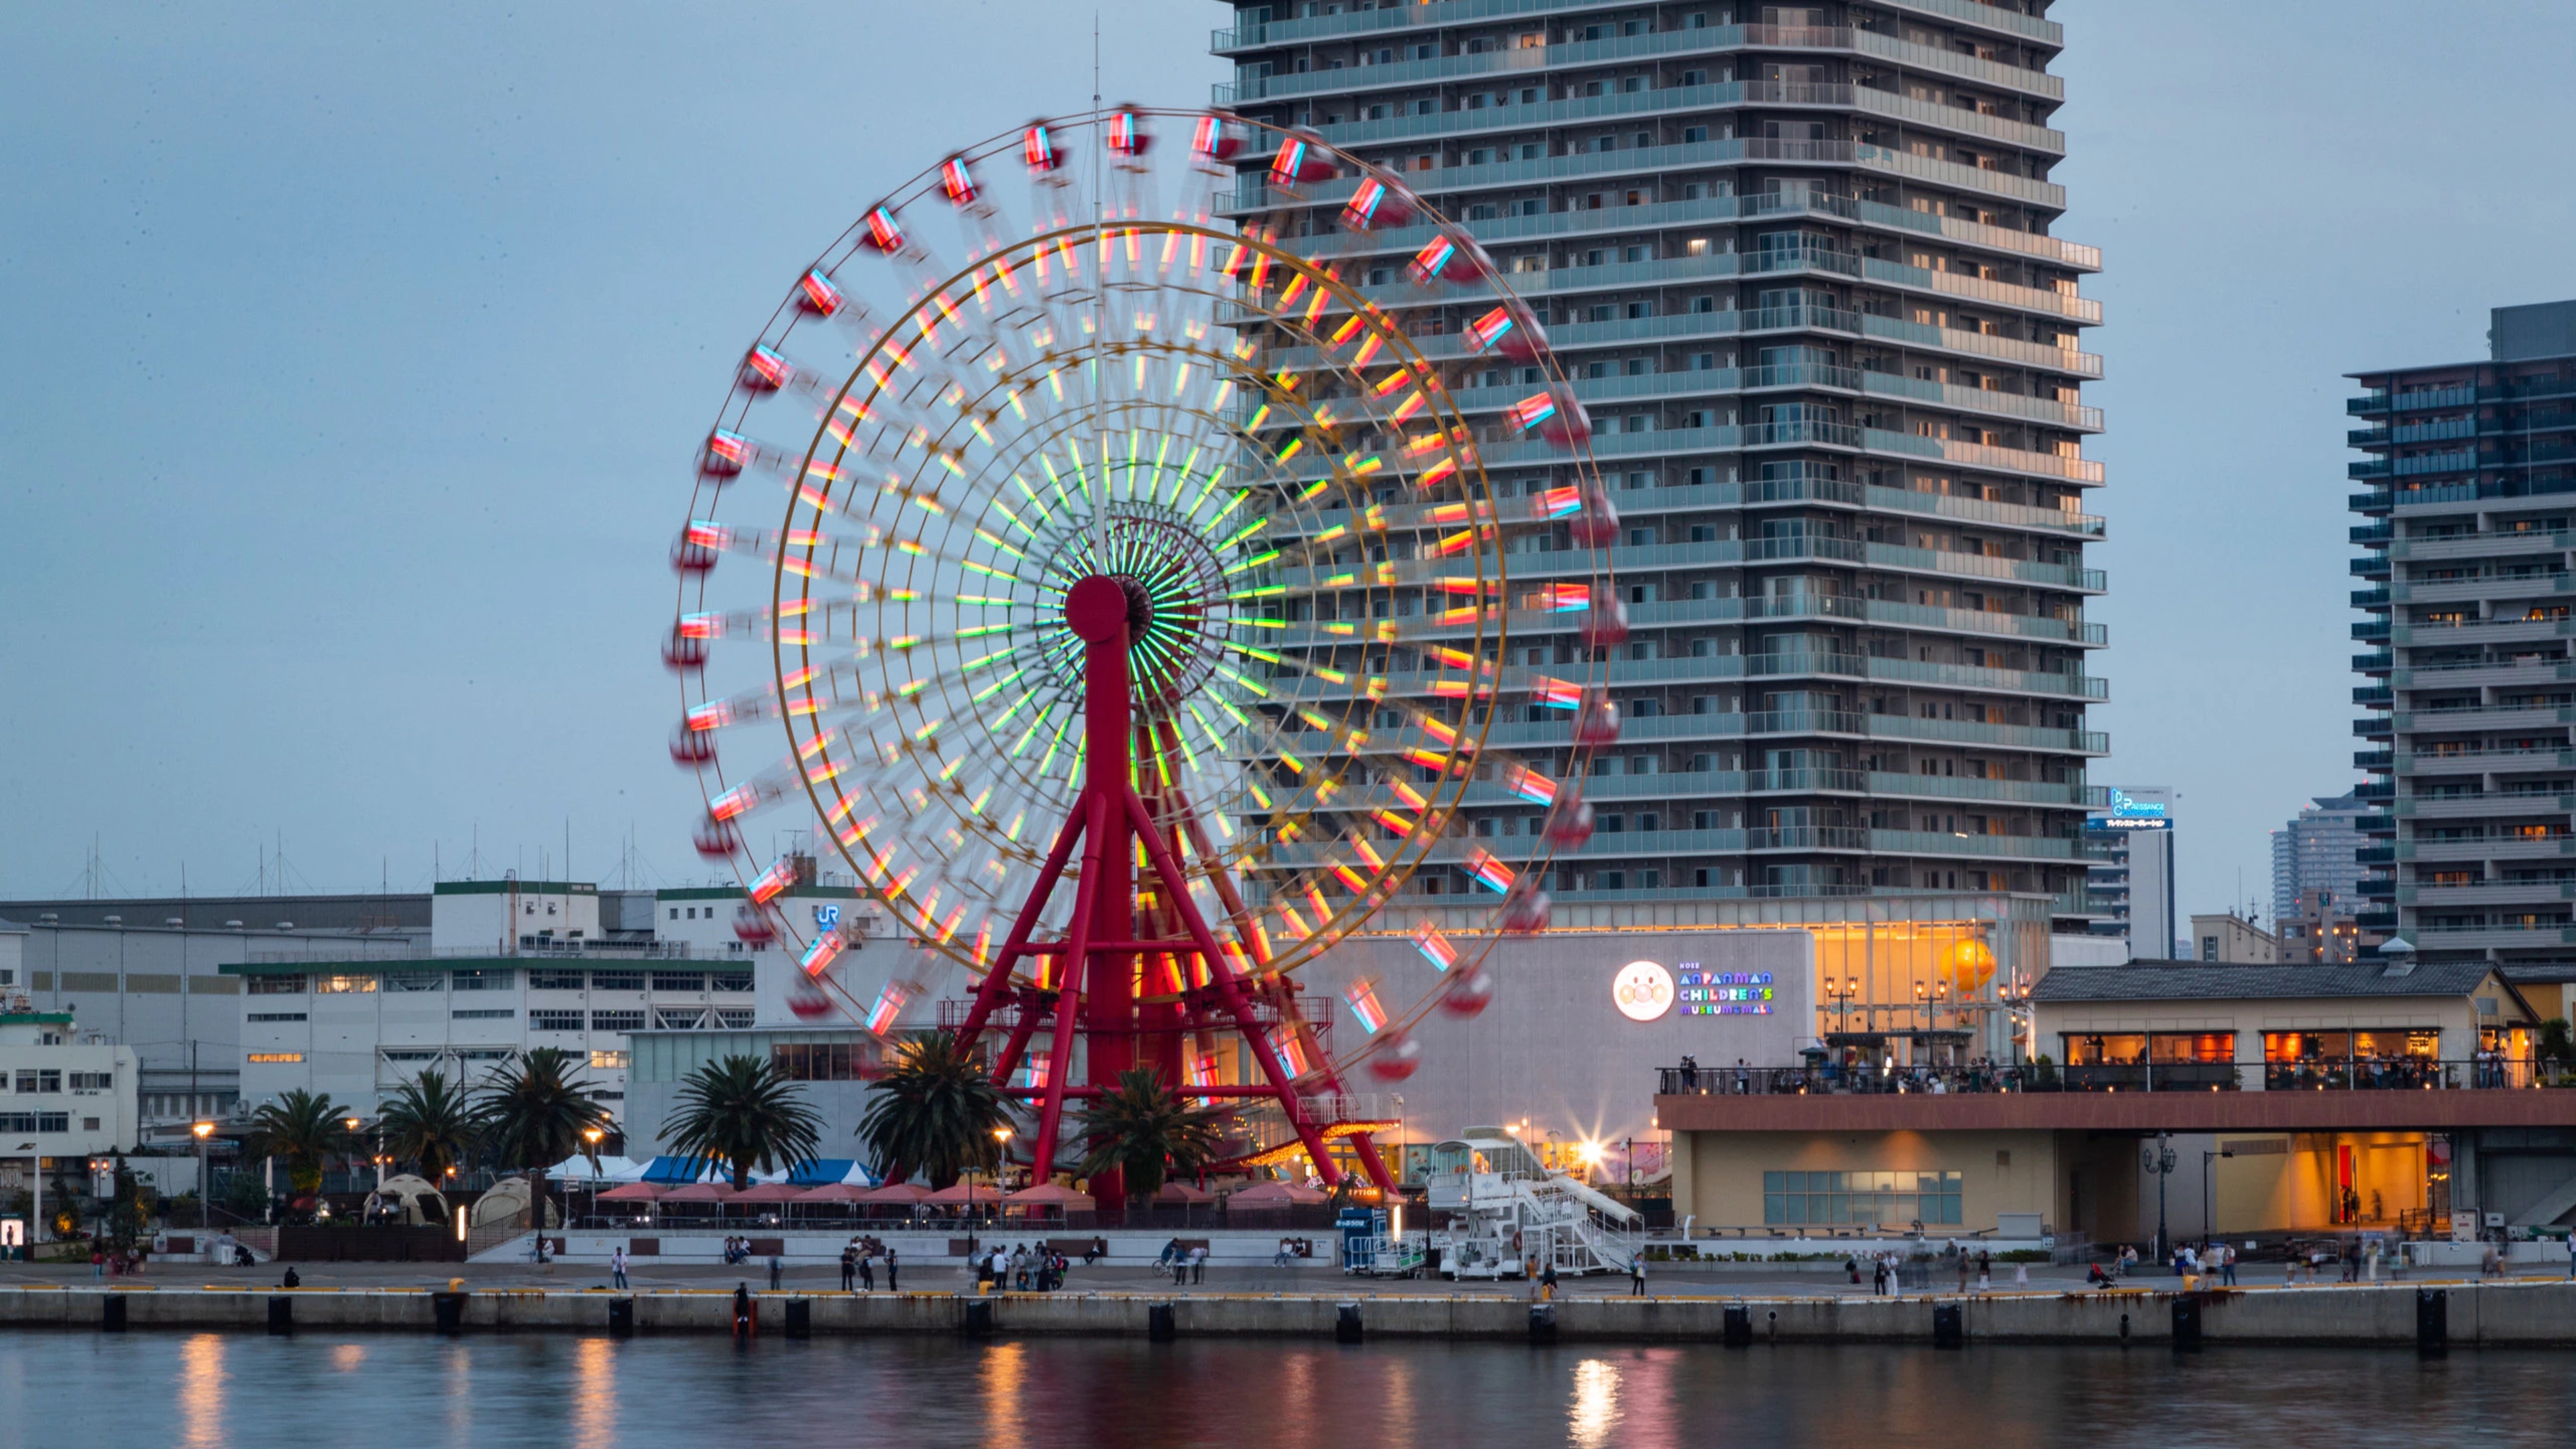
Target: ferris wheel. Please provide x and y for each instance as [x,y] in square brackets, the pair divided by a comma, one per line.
[1141,603]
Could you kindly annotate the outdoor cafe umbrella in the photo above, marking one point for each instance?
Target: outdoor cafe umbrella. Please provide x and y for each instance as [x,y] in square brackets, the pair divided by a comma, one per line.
[1182,1193]
[1034,1200]
[633,1192]
[1277,1194]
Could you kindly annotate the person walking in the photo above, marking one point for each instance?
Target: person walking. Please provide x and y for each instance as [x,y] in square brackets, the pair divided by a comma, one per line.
[617,1266]
[1198,1265]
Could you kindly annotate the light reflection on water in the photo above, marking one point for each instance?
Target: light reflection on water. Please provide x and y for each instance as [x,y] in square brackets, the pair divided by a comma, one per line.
[213,1391]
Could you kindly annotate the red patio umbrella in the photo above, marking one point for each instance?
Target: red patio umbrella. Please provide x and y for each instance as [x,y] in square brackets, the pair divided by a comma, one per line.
[715,1192]
[897,1192]
[1278,1194]
[1047,1194]
[834,1192]
[633,1192]
[1182,1192]
[768,1192]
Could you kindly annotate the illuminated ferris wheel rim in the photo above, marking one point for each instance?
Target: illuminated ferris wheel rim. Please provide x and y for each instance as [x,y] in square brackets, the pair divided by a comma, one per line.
[1348,308]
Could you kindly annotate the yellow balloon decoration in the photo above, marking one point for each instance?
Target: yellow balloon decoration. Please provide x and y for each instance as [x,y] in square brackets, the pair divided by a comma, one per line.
[1972,965]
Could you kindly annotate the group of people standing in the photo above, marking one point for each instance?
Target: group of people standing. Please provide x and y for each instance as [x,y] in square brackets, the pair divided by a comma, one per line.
[859,1259]
[1020,1269]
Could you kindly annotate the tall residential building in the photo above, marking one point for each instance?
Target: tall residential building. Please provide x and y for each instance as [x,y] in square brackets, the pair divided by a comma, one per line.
[2130,843]
[2470,488]
[1797,261]
[2313,857]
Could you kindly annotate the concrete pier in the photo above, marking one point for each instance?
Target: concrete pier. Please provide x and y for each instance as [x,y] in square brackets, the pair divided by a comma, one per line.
[2526,1314]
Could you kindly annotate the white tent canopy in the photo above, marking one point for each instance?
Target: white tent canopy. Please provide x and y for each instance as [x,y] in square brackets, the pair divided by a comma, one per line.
[576,1168]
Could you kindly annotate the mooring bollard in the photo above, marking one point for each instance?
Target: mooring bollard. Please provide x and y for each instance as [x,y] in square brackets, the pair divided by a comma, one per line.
[621,1318]
[449,1310]
[1162,1323]
[281,1314]
[1542,1324]
[1346,1323]
[112,1314]
[1949,1326]
[1739,1326]
[2432,1320]
[2186,1323]
[800,1318]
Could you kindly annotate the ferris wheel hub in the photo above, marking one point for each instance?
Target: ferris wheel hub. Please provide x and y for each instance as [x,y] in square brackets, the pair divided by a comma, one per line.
[1100,607]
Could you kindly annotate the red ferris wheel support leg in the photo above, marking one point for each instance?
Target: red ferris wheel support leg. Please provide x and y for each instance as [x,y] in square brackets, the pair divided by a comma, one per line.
[1096,990]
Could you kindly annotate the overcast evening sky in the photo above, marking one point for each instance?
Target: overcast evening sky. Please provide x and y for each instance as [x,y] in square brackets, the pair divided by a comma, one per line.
[354,354]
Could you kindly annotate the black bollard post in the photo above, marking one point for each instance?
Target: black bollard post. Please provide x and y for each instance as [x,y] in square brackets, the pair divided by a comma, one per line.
[1346,1324]
[112,1314]
[2432,1320]
[621,1318]
[1542,1325]
[1739,1326]
[449,1310]
[1949,1326]
[2186,1324]
[281,1314]
[1162,1323]
[800,1318]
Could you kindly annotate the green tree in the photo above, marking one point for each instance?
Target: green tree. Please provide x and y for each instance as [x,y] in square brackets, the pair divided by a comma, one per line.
[127,1212]
[744,1113]
[304,1128]
[430,1123]
[1145,1130]
[933,1112]
[532,1115]
[2556,1044]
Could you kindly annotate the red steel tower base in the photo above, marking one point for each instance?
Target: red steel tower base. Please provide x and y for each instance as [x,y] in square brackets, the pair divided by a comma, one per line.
[1089,987]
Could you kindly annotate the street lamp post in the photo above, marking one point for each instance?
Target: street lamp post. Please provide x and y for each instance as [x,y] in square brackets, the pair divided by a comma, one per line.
[205,1185]
[2157,1157]
[592,1135]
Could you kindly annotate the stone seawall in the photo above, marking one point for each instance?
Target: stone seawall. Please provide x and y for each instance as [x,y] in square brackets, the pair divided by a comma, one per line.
[2502,1314]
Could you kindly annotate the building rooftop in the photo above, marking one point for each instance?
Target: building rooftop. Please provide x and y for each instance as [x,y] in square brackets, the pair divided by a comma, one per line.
[2220,981]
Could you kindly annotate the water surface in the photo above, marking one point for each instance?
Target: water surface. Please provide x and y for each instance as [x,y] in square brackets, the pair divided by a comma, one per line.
[213,1391]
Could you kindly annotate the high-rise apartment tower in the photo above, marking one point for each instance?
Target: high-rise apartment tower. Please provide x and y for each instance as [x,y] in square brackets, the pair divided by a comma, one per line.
[2469,491]
[1797,260]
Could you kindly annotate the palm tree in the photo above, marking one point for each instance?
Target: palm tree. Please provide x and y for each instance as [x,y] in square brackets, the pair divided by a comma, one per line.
[744,1113]
[534,1115]
[1142,1128]
[934,1111]
[304,1128]
[431,1123]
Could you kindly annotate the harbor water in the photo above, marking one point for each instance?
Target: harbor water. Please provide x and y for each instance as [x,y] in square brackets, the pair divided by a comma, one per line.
[216,1390]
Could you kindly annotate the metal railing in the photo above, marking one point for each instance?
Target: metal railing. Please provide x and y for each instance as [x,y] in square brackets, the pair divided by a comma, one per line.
[530,948]
[2402,1074]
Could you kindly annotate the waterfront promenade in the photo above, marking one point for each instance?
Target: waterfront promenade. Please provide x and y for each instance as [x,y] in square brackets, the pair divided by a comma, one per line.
[2427,1312]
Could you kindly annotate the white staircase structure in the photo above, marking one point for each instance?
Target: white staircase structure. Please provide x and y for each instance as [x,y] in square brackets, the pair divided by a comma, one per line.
[1506,1216]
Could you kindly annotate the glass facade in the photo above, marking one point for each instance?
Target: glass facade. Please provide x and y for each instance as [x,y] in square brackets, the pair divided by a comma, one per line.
[1840,1199]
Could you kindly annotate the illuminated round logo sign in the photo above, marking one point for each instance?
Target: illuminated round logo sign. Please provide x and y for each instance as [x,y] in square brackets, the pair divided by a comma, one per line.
[1643,990]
